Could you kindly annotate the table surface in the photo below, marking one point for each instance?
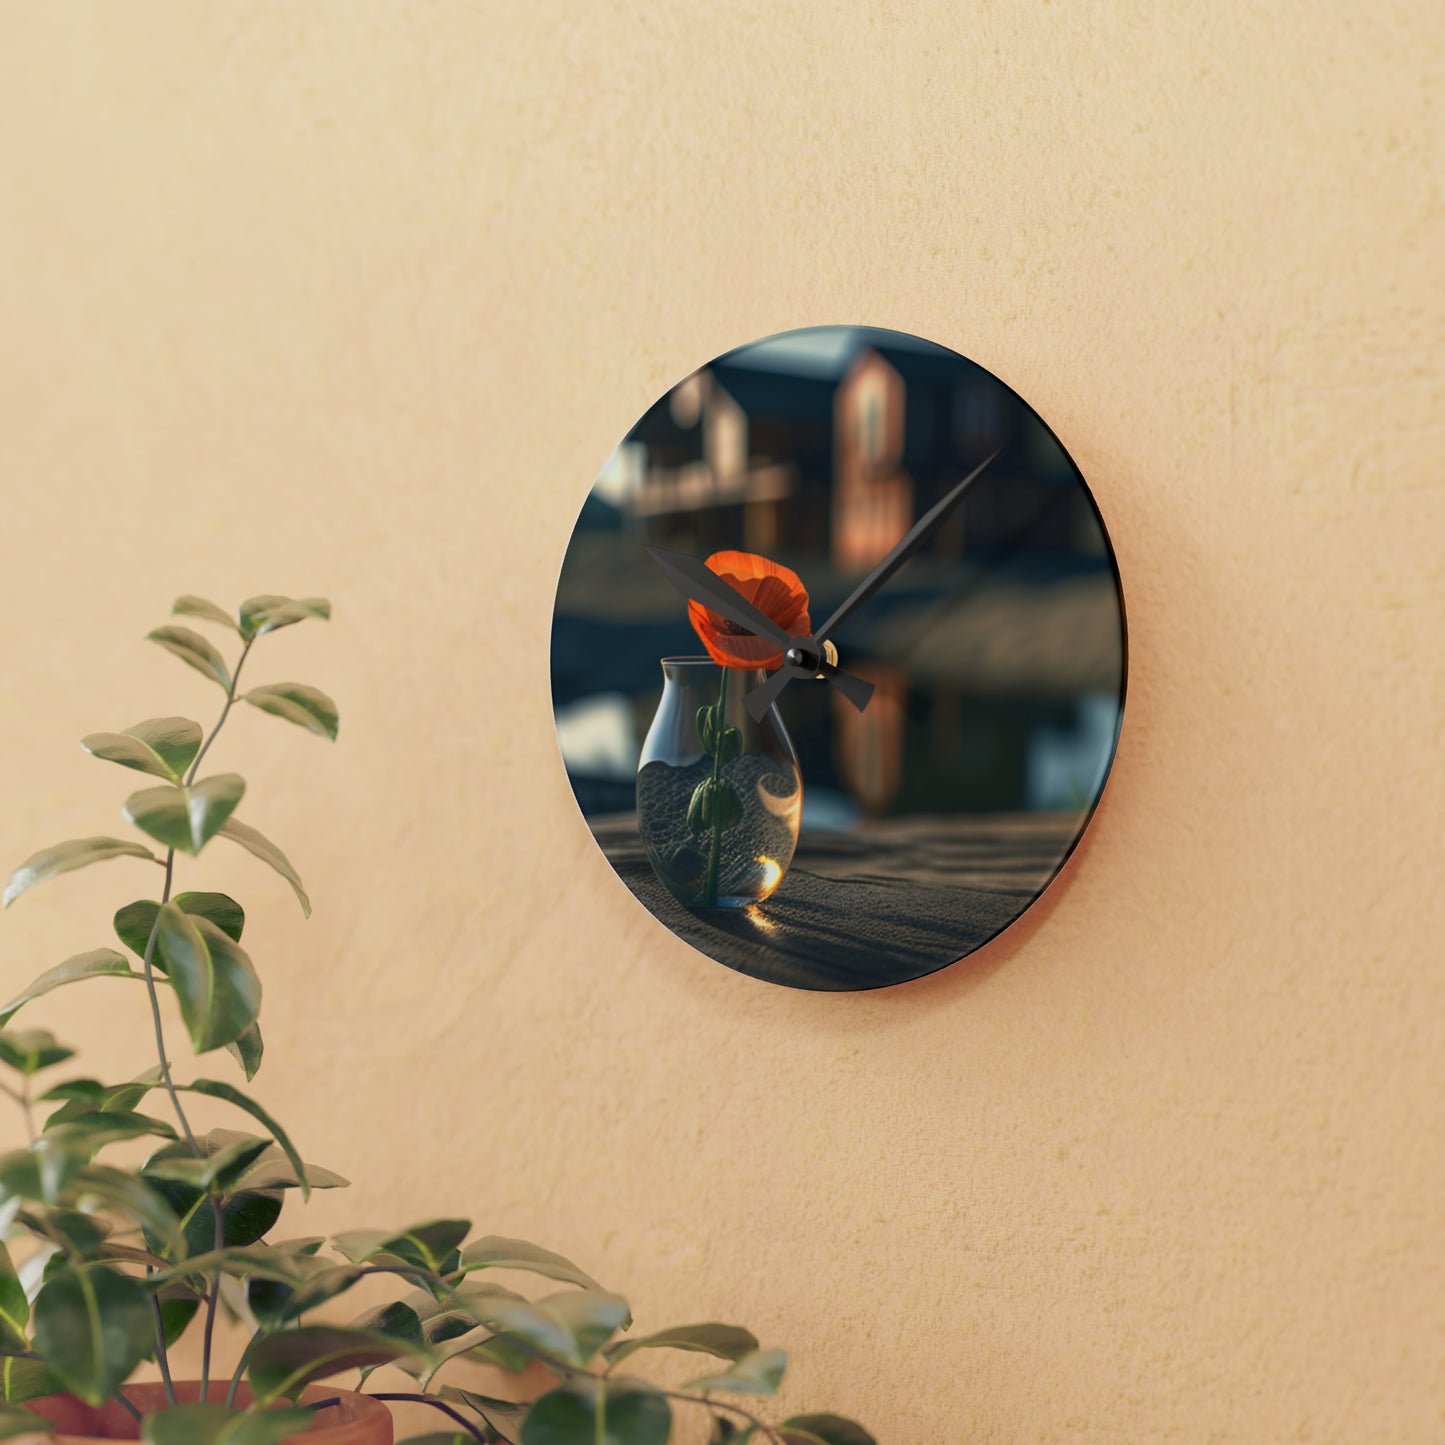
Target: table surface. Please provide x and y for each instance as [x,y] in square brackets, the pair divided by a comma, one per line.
[891,901]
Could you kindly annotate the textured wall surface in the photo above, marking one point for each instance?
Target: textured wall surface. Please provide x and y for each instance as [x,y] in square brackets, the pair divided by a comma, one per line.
[355,298]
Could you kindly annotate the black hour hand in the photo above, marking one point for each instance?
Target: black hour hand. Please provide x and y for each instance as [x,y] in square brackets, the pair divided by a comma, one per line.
[766,693]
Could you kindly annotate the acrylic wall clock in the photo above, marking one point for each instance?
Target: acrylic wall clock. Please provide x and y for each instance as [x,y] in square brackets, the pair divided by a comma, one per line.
[838,658]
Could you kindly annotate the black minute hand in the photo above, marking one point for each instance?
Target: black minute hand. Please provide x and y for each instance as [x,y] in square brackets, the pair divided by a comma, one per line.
[916,536]
[762,697]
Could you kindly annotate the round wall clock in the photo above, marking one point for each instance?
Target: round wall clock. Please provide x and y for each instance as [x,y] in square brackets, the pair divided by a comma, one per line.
[838,658]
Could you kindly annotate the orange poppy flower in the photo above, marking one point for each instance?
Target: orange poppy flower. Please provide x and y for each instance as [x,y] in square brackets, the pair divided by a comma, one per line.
[775,591]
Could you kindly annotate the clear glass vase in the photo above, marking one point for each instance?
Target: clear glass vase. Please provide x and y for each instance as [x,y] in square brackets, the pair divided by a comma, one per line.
[719,797]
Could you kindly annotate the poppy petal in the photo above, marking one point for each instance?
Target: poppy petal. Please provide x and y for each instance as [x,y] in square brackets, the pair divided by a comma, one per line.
[776,591]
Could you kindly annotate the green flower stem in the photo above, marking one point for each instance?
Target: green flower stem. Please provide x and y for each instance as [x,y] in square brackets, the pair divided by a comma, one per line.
[709,887]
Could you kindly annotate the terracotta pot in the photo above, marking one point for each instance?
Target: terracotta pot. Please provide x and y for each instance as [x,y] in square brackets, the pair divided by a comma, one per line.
[353,1420]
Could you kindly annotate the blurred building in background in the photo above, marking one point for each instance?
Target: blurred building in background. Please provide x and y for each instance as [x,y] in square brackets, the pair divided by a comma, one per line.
[982,647]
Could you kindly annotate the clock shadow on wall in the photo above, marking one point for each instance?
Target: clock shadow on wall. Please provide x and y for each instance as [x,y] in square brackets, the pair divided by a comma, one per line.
[923,824]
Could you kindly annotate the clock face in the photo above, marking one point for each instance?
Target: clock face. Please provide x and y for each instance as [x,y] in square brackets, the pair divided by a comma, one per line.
[915,772]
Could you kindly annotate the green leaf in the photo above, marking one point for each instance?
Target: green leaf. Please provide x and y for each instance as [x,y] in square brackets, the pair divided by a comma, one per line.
[93,1327]
[823,1430]
[15,1421]
[214,980]
[89,1132]
[245,1216]
[83,1233]
[250,1262]
[495,1251]
[194,650]
[504,1351]
[440,1437]
[39,1173]
[424,1245]
[222,1168]
[217,1424]
[65,857]
[189,606]
[264,849]
[283,1364]
[307,1244]
[186,1425]
[14,1307]
[30,1050]
[247,1049]
[179,1304]
[277,1302]
[597,1412]
[269,612]
[98,963]
[269,1427]
[757,1373]
[727,1342]
[131,1195]
[500,1416]
[83,1095]
[308,707]
[723,1432]
[214,1089]
[162,746]
[134,922]
[397,1321]
[22,1380]
[186,818]
[271,1169]
[443,1321]
[570,1326]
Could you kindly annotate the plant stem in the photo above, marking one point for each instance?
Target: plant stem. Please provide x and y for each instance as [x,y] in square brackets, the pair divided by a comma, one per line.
[156,1011]
[162,1359]
[213,1294]
[709,887]
[230,698]
[239,1371]
[22,1097]
[130,1409]
[447,1410]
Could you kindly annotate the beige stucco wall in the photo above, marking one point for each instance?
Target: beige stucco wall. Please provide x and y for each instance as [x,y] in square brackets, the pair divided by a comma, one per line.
[355,298]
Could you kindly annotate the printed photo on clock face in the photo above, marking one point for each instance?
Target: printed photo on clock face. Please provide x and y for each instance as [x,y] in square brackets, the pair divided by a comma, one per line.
[831,845]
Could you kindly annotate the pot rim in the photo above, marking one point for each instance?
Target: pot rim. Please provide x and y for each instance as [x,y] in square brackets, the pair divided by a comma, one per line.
[357,1410]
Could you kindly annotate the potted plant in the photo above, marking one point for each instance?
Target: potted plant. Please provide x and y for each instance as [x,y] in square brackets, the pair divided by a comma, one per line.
[105,1266]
